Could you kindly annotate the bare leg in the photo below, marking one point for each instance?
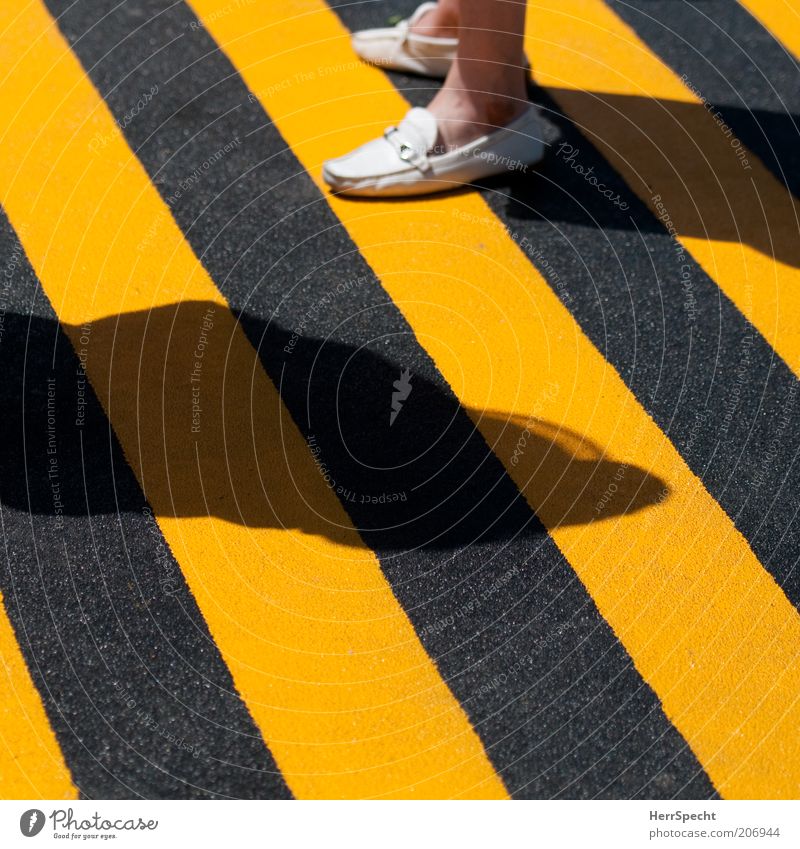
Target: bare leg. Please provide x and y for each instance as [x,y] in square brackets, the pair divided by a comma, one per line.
[485,88]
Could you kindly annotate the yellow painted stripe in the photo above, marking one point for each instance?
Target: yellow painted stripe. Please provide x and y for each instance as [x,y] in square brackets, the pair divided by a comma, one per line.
[706,625]
[319,648]
[31,765]
[729,211]
[781,18]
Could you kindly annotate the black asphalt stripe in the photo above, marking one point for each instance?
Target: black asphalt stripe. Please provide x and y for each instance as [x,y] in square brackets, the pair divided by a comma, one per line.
[550,690]
[728,58]
[701,370]
[140,700]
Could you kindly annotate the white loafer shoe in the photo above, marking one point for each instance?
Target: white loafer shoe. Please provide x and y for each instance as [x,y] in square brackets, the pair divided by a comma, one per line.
[399,49]
[401,162]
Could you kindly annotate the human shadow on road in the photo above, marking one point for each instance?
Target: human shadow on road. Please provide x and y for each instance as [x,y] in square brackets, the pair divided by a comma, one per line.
[190,390]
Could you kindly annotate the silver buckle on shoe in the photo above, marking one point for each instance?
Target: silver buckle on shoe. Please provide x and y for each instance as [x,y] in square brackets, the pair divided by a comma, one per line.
[405,151]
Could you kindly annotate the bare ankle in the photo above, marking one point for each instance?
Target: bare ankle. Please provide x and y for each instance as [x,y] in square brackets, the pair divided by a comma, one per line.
[501,111]
[463,116]
[441,22]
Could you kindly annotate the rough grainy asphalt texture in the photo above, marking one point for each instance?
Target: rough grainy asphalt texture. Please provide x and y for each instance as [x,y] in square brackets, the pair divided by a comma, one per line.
[548,678]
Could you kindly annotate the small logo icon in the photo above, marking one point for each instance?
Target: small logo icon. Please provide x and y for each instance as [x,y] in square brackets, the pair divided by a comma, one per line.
[31,822]
[401,393]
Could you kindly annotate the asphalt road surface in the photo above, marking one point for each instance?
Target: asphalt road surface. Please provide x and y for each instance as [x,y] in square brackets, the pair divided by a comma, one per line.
[483,495]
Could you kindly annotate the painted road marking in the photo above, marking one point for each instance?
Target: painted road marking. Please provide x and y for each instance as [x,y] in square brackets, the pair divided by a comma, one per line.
[781,18]
[31,764]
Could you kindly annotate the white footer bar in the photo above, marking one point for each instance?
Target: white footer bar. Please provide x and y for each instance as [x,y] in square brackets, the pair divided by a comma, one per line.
[402,825]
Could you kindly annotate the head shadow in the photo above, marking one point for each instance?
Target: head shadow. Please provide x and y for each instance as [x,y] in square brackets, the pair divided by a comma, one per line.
[201,423]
